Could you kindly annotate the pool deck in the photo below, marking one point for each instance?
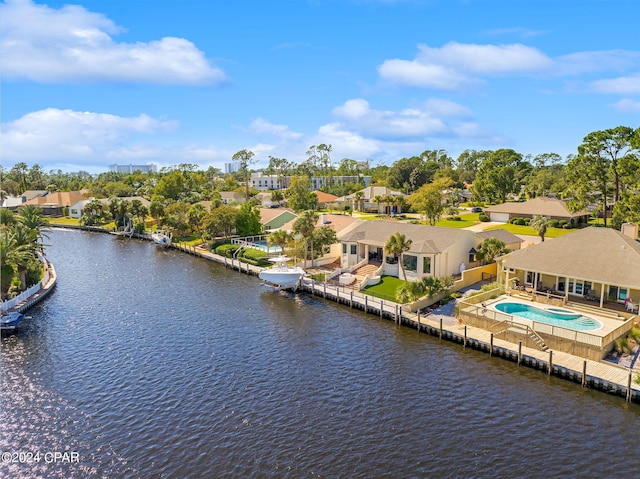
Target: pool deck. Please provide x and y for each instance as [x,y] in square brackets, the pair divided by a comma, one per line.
[608,323]
[599,375]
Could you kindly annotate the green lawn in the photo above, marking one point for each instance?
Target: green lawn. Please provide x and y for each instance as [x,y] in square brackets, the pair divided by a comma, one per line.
[65,221]
[527,230]
[385,289]
[466,220]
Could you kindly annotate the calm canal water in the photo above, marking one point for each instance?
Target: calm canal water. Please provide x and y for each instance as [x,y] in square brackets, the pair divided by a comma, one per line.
[151,363]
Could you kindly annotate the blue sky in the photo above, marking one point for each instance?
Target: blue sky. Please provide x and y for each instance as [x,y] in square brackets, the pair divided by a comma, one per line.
[91,83]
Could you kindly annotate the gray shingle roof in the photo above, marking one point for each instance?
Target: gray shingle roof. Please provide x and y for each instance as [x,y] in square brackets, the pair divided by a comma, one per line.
[538,206]
[592,254]
[425,239]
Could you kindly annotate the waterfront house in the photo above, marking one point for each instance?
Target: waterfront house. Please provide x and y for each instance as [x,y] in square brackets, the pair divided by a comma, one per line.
[550,208]
[76,210]
[434,251]
[601,264]
[53,204]
[274,218]
[366,200]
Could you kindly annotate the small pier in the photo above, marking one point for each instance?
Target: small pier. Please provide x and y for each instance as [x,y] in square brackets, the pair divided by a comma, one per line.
[598,375]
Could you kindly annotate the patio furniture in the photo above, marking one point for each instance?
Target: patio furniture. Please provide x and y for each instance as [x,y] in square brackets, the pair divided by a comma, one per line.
[630,306]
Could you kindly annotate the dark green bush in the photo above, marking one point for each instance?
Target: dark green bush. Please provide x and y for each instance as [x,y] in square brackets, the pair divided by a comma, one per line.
[520,222]
[226,250]
[553,223]
[484,218]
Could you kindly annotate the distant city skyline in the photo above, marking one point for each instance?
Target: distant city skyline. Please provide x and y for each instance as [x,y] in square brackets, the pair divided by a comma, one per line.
[88,84]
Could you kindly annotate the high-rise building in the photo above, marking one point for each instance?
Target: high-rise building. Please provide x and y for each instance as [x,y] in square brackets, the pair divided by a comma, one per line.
[131,168]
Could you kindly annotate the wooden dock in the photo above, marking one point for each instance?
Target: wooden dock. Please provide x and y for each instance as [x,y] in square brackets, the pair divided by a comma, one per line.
[609,378]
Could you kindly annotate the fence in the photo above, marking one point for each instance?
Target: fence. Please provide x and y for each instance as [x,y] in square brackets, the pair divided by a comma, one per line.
[578,343]
[10,303]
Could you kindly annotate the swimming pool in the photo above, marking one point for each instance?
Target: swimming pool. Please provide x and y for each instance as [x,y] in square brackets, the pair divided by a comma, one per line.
[553,316]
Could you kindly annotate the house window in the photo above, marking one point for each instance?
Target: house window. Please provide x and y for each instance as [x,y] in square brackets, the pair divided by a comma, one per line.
[426,265]
[617,294]
[354,249]
[344,248]
[410,262]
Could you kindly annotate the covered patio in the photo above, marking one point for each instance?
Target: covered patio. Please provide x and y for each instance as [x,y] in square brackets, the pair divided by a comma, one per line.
[595,266]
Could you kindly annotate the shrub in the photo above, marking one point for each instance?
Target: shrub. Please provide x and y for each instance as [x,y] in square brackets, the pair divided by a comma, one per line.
[226,250]
[454,218]
[553,223]
[567,226]
[484,218]
[561,223]
[527,221]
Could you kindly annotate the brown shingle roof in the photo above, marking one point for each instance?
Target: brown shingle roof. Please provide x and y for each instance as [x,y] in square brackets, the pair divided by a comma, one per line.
[592,254]
[542,206]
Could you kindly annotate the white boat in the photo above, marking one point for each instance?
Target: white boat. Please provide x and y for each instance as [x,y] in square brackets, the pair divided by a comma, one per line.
[280,274]
[161,238]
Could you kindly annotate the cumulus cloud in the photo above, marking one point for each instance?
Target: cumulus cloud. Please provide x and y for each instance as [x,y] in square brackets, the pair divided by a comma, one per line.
[434,117]
[72,44]
[64,135]
[622,85]
[627,105]
[260,126]
[456,65]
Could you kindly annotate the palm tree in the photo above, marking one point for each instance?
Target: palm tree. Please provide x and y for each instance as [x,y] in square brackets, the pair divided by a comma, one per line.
[31,218]
[304,225]
[280,238]
[358,197]
[378,199]
[388,200]
[540,223]
[396,245]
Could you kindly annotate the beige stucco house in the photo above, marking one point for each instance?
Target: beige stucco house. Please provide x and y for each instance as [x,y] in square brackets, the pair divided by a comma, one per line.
[550,208]
[601,264]
[434,251]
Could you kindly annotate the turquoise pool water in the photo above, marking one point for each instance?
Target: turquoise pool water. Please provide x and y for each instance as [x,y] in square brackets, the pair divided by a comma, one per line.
[554,316]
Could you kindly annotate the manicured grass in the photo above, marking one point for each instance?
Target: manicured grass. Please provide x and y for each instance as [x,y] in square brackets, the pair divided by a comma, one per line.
[385,289]
[527,230]
[66,221]
[464,222]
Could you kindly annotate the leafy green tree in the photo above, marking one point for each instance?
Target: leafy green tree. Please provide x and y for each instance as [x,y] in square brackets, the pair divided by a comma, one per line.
[429,200]
[626,210]
[540,224]
[95,213]
[248,220]
[323,238]
[501,173]
[397,244]
[299,194]
[605,159]
[172,186]
[490,249]
[244,158]
[177,217]
[221,220]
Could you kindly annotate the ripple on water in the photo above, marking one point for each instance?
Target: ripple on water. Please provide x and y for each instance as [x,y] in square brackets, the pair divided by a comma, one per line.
[155,364]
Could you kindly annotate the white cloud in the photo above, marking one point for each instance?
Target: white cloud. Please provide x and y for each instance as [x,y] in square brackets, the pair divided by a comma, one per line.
[627,105]
[433,118]
[72,44]
[622,85]
[260,125]
[456,65]
[65,135]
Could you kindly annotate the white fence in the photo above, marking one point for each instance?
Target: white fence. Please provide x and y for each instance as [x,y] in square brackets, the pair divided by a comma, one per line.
[10,303]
